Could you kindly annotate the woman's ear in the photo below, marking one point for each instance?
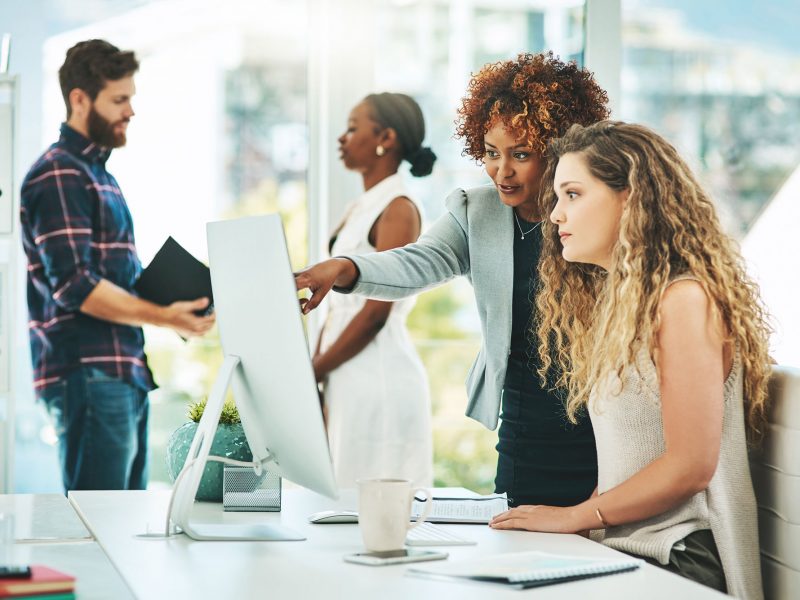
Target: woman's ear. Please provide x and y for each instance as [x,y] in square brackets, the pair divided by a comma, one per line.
[388,138]
[623,197]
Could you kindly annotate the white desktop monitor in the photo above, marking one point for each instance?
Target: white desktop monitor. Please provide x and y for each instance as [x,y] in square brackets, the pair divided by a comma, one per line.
[267,361]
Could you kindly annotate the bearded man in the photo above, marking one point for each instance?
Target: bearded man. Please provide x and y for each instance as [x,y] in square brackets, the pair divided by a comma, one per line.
[87,345]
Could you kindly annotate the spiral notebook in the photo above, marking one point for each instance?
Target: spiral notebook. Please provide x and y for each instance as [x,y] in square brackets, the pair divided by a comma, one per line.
[527,569]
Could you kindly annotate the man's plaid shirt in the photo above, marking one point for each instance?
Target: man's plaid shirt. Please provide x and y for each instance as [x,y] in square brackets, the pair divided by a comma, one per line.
[77,230]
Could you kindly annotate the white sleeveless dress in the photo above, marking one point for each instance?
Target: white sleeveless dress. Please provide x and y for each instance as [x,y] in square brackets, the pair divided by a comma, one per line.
[379,414]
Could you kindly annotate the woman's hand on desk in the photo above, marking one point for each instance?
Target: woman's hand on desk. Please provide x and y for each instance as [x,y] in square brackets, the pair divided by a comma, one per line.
[320,278]
[547,519]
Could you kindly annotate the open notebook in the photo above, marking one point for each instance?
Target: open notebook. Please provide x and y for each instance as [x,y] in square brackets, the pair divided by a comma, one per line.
[527,569]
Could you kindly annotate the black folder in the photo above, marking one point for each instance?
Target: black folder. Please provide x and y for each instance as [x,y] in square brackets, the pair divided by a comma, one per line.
[173,275]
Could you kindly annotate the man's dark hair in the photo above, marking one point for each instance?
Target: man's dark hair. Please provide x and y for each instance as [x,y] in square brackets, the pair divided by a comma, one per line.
[90,64]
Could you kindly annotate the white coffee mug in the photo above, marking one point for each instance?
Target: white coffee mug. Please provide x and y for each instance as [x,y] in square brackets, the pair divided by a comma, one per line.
[384,512]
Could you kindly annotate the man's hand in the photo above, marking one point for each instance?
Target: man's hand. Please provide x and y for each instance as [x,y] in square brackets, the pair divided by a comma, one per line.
[181,317]
[322,277]
[110,302]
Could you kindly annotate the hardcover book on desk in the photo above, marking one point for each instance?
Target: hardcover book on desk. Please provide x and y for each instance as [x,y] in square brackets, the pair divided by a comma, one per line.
[43,582]
[174,275]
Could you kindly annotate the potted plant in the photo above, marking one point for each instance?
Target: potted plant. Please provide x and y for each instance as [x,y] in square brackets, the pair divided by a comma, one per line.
[229,441]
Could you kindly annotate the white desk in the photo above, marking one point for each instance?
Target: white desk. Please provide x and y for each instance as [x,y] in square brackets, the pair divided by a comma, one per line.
[183,568]
[47,531]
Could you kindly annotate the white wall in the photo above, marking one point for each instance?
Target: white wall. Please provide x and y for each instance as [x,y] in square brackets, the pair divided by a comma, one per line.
[771,249]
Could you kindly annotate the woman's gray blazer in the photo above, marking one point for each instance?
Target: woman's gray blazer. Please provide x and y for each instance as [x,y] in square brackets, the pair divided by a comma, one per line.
[475,239]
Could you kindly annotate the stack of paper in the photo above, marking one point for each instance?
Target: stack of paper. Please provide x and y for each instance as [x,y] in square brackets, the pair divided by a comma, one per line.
[477,509]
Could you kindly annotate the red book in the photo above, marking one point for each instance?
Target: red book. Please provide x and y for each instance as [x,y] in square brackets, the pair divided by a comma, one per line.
[42,580]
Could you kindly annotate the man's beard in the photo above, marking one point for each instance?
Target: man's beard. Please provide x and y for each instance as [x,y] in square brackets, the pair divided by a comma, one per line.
[102,133]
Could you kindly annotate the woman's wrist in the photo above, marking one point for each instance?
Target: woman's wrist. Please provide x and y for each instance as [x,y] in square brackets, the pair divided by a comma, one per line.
[348,273]
[318,363]
[589,515]
[601,519]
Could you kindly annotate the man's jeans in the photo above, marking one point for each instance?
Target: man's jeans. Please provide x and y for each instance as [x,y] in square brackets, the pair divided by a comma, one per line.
[101,424]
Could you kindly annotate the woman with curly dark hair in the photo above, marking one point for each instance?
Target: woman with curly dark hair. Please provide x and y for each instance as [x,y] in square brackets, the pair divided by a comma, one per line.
[491,235]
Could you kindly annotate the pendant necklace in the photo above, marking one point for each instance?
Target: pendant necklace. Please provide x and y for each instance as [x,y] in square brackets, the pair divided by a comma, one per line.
[524,233]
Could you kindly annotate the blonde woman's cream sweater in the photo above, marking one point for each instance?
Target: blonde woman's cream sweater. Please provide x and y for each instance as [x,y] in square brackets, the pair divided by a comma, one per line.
[629,434]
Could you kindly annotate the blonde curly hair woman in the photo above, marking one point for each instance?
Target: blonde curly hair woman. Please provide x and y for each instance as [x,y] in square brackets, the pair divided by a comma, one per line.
[652,324]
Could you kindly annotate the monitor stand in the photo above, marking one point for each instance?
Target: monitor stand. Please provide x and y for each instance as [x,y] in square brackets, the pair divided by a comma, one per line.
[186,487]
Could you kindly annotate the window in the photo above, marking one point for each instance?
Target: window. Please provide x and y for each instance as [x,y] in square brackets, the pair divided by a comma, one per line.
[718,80]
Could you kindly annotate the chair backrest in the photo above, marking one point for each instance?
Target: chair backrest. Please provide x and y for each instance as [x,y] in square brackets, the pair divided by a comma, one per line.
[775,468]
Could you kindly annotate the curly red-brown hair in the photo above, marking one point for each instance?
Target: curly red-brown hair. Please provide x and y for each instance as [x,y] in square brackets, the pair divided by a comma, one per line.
[537,96]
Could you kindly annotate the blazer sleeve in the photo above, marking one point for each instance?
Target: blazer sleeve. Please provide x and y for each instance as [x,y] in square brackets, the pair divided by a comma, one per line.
[438,256]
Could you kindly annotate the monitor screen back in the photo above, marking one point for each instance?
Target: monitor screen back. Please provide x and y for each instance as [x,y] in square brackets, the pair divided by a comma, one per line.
[259,320]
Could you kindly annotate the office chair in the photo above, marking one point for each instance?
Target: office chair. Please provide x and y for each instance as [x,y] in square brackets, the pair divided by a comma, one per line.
[775,468]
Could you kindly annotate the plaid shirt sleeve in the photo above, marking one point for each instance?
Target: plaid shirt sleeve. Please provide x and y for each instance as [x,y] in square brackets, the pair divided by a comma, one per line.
[60,220]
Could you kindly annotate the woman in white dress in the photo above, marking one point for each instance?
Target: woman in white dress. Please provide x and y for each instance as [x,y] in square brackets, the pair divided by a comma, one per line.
[375,387]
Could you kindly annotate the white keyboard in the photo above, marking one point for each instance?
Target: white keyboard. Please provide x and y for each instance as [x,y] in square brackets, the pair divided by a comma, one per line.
[429,534]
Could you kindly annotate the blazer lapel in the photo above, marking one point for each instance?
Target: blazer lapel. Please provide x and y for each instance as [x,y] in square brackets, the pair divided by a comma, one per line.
[493,263]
